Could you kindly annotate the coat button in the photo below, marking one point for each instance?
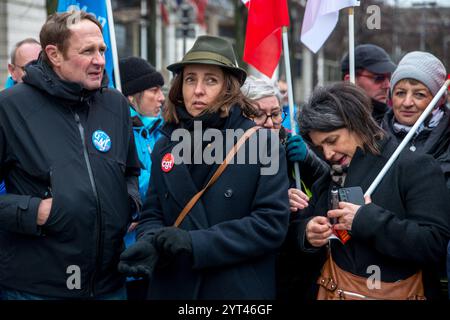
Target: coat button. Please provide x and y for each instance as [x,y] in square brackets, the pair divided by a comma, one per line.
[228,193]
[166,195]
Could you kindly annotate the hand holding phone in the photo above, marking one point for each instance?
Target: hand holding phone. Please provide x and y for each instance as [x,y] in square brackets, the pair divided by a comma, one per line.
[353,195]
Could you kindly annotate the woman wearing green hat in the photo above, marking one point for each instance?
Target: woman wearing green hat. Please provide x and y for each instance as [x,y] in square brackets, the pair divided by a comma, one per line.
[225,246]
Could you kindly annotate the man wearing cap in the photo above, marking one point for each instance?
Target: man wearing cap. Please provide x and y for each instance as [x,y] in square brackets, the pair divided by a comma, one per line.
[373,68]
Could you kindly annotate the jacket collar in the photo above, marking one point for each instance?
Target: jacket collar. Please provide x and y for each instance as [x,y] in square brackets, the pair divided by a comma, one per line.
[142,122]
[430,139]
[40,75]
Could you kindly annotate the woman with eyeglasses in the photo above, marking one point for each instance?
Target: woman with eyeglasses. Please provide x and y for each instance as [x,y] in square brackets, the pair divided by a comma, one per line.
[269,114]
[418,77]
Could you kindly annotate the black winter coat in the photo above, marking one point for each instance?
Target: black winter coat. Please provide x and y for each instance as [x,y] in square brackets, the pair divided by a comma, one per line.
[403,230]
[47,150]
[435,142]
[236,227]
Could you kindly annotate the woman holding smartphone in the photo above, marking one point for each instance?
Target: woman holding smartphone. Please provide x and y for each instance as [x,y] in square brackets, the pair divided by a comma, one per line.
[399,236]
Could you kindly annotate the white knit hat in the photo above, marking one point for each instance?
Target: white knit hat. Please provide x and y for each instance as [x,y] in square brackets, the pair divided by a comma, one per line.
[256,88]
[423,67]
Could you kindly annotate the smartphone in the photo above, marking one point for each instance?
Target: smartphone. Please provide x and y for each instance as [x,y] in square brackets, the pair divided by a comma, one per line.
[353,195]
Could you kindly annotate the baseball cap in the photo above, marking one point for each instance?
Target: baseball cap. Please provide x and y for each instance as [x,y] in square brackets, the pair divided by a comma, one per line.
[370,57]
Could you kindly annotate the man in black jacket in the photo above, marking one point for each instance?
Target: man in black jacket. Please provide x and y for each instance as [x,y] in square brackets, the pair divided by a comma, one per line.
[373,69]
[69,162]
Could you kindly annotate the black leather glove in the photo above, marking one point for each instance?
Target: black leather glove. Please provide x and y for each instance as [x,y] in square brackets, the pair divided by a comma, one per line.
[140,259]
[171,241]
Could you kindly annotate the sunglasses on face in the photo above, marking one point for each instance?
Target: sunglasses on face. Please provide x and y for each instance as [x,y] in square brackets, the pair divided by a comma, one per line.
[376,78]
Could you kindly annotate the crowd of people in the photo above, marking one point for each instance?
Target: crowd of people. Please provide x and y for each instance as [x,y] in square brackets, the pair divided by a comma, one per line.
[110,195]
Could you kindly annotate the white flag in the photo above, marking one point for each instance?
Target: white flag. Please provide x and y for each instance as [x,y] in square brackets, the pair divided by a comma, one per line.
[321,17]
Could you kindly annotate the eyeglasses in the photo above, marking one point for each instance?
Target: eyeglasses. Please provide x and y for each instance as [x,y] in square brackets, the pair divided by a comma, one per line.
[277,117]
[376,78]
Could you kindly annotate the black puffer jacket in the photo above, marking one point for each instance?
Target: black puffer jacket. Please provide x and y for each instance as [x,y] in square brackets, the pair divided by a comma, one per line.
[46,150]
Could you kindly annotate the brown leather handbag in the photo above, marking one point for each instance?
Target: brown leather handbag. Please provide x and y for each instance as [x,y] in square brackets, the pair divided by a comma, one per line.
[337,284]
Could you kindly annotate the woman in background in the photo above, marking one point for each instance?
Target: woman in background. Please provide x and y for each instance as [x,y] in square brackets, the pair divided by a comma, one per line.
[142,85]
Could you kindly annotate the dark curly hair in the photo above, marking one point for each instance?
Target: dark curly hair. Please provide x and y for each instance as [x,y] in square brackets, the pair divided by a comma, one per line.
[341,105]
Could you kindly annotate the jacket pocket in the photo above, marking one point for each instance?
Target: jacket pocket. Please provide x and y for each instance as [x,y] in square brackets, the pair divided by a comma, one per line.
[57,224]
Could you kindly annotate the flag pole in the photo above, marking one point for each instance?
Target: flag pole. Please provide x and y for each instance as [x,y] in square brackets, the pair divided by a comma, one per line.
[351,43]
[287,64]
[408,137]
[115,56]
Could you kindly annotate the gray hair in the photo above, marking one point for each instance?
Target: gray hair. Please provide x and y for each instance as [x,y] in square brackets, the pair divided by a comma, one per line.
[255,89]
[19,44]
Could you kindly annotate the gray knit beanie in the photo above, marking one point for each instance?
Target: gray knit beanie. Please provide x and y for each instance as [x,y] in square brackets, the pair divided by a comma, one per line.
[423,67]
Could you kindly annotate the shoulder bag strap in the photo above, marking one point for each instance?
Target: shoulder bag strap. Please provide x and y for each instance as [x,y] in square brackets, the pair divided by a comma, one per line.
[216,175]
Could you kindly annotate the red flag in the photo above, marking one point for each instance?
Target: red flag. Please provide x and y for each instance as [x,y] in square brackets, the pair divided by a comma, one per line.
[164,13]
[263,43]
[201,7]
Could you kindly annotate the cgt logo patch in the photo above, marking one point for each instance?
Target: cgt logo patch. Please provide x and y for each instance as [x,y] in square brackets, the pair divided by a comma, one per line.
[167,162]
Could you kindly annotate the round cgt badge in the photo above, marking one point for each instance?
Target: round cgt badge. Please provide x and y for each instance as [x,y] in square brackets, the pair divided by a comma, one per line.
[167,162]
[101,141]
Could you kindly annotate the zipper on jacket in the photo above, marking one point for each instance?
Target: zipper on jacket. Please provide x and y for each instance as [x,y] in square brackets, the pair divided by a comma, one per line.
[99,215]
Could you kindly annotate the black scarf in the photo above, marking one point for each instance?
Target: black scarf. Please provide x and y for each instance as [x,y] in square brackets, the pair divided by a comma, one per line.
[199,171]
[208,120]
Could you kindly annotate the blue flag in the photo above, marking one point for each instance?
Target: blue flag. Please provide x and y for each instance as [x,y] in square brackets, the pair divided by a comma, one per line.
[98,9]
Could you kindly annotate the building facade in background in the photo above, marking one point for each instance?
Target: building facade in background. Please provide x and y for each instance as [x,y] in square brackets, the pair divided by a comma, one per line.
[19,19]
[162,30]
